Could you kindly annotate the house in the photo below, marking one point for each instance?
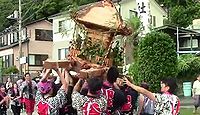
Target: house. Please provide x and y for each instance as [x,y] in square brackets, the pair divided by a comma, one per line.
[187,40]
[36,46]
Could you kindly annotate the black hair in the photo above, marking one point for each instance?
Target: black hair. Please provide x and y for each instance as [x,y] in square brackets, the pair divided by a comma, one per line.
[112,74]
[2,85]
[145,85]
[171,83]
[55,88]
[26,74]
[94,84]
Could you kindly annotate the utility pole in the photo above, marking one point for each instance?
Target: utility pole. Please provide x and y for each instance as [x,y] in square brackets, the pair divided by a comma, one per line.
[20,36]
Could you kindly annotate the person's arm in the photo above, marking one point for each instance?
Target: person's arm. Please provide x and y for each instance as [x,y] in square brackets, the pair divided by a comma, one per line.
[4,100]
[141,104]
[63,81]
[57,81]
[77,87]
[194,90]
[141,90]
[45,74]
[66,74]
[116,86]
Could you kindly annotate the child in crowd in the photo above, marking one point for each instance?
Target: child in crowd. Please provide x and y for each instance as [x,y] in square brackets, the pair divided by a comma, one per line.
[166,103]
[15,99]
[47,102]
[28,91]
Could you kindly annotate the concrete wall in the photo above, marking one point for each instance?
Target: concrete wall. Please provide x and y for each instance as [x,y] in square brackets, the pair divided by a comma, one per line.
[36,46]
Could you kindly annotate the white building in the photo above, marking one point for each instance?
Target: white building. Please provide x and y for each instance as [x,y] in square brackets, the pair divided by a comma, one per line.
[128,8]
[63,29]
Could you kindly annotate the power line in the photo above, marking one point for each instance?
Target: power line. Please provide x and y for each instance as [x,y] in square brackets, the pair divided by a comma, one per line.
[28,10]
[34,12]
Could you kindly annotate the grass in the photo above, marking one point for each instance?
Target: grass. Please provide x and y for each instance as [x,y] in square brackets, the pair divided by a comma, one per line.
[186,112]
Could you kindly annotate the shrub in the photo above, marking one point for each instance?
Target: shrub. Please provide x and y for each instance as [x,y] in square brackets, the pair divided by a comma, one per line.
[157,59]
[10,70]
[188,67]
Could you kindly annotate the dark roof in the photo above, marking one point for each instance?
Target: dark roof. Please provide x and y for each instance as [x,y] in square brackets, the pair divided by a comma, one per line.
[172,27]
[172,31]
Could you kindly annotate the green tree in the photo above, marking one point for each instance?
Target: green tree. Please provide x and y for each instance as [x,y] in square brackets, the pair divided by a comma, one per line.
[135,24]
[179,17]
[181,12]
[183,16]
[188,67]
[157,59]
[171,3]
[35,9]
[6,8]
[10,70]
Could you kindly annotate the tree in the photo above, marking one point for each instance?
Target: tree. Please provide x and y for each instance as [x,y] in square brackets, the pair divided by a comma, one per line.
[183,16]
[133,39]
[181,12]
[172,3]
[188,67]
[35,9]
[157,59]
[6,8]
[179,17]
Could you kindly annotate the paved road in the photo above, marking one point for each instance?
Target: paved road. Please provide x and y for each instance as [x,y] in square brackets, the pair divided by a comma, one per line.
[186,102]
[9,112]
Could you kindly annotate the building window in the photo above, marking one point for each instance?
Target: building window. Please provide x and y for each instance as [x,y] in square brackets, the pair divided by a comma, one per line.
[1,41]
[133,13]
[37,59]
[43,35]
[7,61]
[151,19]
[62,26]
[65,26]
[154,21]
[15,37]
[11,38]
[187,43]
[5,40]
[62,53]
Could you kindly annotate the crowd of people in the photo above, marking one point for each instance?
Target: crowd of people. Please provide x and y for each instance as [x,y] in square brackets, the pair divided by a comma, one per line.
[72,94]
